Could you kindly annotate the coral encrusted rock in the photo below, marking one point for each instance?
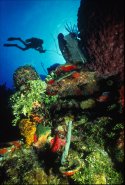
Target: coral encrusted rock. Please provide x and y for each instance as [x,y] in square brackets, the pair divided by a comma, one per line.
[23,74]
[101,27]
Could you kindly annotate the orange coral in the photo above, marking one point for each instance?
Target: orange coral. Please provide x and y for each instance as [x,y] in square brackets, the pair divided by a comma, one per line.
[51,81]
[36,118]
[17,144]
[70,172]
[3,151]
[76,75]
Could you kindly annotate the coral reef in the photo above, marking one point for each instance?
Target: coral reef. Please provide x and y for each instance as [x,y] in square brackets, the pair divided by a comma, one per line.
[87,104]
[98,169]
[26,102]
[42,134]
[22,170]
[96,143]
[84,84]
[57,143]
[73,122]
[23,74]
[27,129]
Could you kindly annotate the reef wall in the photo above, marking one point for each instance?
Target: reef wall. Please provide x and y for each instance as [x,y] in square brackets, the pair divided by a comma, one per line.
[101,27]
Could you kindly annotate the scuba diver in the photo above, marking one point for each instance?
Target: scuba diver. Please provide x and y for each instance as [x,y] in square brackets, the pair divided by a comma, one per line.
[33,43]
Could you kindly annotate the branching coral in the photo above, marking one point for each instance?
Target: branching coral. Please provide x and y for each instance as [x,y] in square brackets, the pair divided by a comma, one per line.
[23,102]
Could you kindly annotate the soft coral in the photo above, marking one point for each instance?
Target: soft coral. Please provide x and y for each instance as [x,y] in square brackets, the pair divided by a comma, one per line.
[57,143]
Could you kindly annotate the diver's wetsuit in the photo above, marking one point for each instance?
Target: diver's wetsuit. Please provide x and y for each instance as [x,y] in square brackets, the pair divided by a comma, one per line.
[34,43]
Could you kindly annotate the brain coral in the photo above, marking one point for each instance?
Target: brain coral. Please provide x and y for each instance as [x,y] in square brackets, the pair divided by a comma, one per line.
[23,74]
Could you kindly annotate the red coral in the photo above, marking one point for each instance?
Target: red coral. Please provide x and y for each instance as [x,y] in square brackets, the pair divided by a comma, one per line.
[17,144]
[3,151]
[35,138]
[57,143]
[51,81]
[67,68]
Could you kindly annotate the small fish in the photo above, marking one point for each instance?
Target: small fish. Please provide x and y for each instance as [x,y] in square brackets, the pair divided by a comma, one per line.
[104,97]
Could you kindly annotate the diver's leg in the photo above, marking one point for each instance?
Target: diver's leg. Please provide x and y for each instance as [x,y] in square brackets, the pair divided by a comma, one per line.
[13,38]
[9,45]
[15,45]
[16,38]
[22,48]
[22,41]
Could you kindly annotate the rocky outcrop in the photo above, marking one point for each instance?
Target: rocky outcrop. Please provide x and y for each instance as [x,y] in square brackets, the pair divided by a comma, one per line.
[101,26]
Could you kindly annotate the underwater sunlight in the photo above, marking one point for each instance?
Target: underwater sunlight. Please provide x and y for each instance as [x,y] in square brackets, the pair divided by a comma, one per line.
[33,18]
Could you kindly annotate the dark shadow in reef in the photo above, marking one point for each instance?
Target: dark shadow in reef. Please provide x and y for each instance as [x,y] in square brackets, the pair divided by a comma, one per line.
[7,131]
[51,160]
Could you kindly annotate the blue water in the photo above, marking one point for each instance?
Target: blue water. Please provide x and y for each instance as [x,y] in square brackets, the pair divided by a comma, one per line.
[43,19]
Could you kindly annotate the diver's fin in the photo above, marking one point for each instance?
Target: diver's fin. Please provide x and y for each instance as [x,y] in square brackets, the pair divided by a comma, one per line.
[13,38]
[7,45]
